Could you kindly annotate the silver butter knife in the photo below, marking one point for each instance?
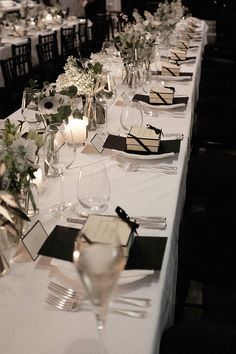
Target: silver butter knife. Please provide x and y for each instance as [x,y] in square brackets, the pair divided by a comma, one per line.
[146,223]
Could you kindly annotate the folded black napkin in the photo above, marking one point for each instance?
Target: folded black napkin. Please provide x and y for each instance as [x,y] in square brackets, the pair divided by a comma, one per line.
[119,143]
[145,253]
[145,98]
[180,74]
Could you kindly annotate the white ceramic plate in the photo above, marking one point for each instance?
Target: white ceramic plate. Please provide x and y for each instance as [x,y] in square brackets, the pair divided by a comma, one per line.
[175,78]
[145,157]
[126,277]
[162,107]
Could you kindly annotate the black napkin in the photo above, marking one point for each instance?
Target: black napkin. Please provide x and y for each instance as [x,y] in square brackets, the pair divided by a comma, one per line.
[180,74]
[145,98]
[145,253]
[60,243]
[119,143]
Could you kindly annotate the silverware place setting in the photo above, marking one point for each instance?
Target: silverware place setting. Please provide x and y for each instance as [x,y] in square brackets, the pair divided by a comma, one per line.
[147,222]
[133,166]
[74,294]
[64,304]
[68,299]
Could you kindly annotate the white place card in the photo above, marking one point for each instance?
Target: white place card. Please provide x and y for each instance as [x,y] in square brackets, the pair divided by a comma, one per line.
[97,143]
[34,239]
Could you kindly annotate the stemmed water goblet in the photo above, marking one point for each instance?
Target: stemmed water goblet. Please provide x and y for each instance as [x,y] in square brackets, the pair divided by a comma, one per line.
[29,109]
[59,153]
[107,95]
[93,187]
[99,266]
[131,114]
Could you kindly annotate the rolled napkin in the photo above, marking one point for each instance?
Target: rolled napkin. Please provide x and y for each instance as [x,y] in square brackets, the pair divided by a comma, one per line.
[170,69]
[161,94]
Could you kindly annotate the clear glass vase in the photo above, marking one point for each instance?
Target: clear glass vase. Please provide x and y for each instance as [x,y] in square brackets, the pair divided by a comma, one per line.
[89,111]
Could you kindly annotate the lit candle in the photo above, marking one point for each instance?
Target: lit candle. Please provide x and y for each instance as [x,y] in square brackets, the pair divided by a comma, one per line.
[76,131]
[48,19]
[38,180]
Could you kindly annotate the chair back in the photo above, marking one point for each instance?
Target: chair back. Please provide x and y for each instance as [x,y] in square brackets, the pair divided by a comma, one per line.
[68,41]
[45,38]
[16,70]
[23,48]
[84,39]
[49,61]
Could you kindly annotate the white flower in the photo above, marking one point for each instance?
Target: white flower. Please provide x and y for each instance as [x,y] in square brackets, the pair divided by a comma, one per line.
[49,104]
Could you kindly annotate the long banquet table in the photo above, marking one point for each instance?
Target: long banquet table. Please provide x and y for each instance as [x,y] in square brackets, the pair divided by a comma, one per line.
[29,326]
[14,38]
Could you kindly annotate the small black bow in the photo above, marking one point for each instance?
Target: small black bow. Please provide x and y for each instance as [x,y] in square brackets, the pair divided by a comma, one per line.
[157,131]
[125,217]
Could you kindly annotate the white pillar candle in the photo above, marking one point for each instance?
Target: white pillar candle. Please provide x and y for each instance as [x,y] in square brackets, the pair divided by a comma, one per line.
[38,180]
[76,131]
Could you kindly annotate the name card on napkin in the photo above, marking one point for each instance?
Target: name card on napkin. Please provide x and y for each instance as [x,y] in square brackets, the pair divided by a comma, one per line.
[34,239]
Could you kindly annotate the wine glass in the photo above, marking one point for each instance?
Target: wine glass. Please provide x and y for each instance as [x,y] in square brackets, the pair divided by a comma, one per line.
[59,154]
[131,115]
[93,187]
[99,266]
[29,108]
[107,96]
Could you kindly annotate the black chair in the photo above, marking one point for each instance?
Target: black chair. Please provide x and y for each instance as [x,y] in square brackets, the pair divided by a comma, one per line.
[215,123]
[84,39]
[206,254]
[210,183]
[16,72]
[68,41]
[23,48]
[50,62]
[45,38]
[199,337]
[101,30]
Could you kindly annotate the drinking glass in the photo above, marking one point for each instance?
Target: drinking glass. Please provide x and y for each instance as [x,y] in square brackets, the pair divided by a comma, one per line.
[59,154]
[107,96]
[93,187]
[147,80]
[29,109]
[99,266]
[131,115]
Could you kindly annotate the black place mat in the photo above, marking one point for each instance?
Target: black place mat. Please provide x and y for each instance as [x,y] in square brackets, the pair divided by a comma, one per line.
[180,74]
[146,252]
[145,98]
[119,143]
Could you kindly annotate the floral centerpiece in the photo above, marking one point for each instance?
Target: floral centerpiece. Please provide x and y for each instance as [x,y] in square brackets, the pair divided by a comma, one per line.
[169,13]
[81,80]
[19,156]
[9,206]
[136,44]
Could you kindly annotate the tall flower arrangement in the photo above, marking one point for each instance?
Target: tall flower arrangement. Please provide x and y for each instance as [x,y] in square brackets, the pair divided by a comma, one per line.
[135,42]
[18,155]
[9,206]
[170,12]
[79,80]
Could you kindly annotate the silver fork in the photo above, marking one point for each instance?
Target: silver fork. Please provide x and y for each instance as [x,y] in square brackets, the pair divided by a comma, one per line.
[62,303]
[72,294]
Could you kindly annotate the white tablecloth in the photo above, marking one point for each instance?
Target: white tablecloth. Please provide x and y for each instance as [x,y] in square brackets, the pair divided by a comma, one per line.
[29,326]
[5,49]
